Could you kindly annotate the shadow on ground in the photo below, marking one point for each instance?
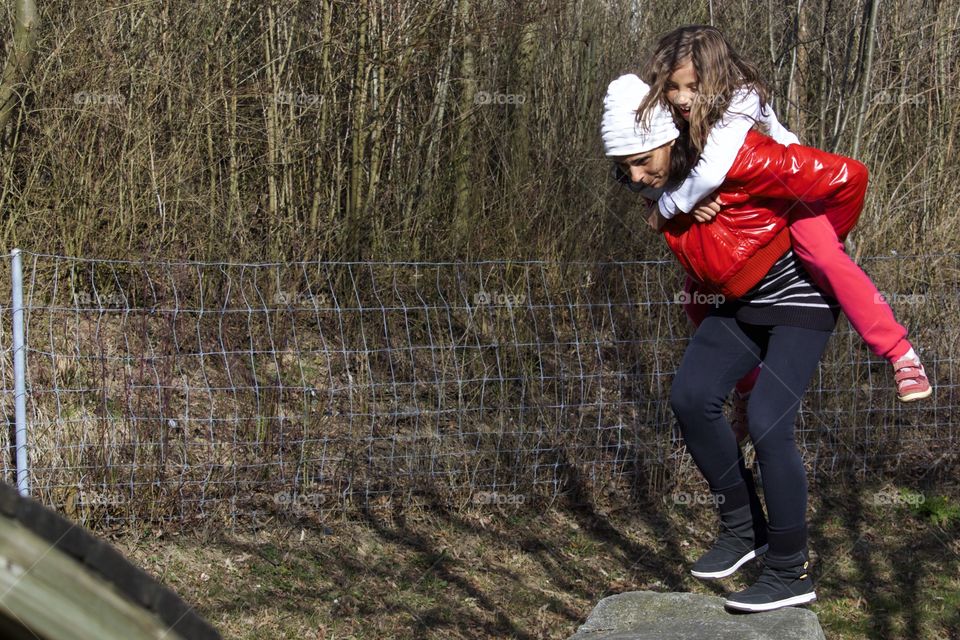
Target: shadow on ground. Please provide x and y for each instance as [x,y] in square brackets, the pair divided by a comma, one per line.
[489,571]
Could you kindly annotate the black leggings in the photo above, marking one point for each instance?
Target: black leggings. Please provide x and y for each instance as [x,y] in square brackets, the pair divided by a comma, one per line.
[721,352]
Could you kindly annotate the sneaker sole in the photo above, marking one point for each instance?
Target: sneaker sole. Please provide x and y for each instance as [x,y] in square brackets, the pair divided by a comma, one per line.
[713,575]
[768,606]
[918,395]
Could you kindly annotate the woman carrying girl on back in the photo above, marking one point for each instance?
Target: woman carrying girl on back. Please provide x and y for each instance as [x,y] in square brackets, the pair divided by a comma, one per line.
[719,97]
[784,310]
[782,321]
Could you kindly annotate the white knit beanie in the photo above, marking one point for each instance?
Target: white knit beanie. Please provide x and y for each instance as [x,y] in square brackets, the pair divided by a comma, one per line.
[622,135]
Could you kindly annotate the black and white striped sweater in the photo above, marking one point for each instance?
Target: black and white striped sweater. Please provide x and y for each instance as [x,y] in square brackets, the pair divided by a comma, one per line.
[786,295]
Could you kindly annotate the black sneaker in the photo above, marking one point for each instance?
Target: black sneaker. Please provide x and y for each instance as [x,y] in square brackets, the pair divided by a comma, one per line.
[784,582]
[739,542]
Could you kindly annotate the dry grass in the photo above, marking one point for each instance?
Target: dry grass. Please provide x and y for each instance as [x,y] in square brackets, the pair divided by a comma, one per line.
[357,130]
[882,572]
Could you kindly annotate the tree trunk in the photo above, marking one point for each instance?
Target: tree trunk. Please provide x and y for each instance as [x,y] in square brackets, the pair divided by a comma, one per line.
[20,60]
[358,137]
[868,65]
[464,145]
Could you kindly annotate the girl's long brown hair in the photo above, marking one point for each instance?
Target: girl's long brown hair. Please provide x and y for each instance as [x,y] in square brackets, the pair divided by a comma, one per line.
[720,70]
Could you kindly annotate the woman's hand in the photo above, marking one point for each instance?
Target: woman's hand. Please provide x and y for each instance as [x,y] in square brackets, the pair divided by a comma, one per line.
[654,218]
[707,209]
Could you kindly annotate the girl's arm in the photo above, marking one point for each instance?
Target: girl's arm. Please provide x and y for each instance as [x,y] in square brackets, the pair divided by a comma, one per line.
[777,131]
[723,144]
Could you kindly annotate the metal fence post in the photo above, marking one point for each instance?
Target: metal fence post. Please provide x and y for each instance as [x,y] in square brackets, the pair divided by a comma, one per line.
[19,376]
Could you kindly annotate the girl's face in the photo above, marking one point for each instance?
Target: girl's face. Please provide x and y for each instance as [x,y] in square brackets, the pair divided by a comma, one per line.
[682,88]
[650,168]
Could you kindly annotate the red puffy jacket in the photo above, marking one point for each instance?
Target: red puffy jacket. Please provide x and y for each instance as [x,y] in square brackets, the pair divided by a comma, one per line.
[768,182]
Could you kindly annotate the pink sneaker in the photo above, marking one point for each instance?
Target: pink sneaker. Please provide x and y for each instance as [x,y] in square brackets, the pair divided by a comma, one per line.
[911,379]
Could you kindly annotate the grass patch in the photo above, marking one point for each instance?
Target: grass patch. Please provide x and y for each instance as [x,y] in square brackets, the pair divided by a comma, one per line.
[484,574]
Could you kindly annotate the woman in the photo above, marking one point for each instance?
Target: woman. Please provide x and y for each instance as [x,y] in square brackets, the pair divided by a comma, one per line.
[718,96]
[773,314]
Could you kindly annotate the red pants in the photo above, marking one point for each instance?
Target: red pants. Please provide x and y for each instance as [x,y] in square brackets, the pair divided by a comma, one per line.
[821,252]
[819,249]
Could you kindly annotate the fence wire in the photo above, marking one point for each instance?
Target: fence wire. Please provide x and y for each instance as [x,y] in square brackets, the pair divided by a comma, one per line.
[186,390]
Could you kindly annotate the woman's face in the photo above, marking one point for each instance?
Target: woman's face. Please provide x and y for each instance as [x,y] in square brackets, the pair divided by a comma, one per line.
[650,168]
[682,88]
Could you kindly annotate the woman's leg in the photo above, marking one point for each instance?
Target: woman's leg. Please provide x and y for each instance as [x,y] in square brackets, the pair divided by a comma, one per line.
[696,308]
[719,354]
[790,360]
[816,244]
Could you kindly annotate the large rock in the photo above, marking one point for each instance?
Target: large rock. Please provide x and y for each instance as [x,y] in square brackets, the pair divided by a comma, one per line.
[647,615]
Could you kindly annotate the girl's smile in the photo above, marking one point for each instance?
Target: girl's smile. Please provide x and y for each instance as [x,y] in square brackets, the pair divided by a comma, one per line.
[682,88]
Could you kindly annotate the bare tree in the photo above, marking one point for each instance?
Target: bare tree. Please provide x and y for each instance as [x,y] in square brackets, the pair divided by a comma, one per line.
[20,60]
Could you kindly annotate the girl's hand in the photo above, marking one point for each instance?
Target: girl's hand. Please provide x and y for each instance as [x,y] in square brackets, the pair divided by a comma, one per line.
[707,209]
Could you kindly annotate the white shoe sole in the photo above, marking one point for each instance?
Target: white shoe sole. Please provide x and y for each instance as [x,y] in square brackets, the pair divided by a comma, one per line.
[768,606]
[919,395]
[713,575]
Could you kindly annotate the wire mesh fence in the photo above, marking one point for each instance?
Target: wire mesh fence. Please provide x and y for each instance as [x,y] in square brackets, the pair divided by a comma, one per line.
[186,390]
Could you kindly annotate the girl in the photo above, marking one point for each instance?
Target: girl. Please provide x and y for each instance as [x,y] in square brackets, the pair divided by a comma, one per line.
[783,320]
[719,97]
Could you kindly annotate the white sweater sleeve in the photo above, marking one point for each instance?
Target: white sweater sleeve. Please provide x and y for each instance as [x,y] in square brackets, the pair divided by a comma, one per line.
[777,131]
[723,144]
